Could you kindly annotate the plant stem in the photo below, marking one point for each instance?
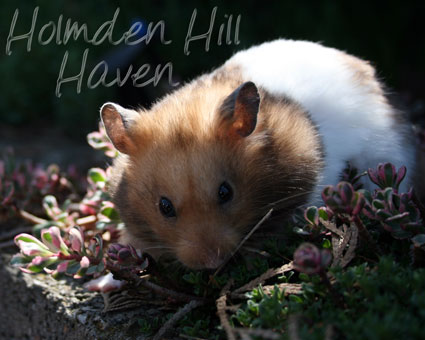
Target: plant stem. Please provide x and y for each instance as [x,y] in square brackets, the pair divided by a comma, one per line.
[86,220]
[221,304]
[30,217]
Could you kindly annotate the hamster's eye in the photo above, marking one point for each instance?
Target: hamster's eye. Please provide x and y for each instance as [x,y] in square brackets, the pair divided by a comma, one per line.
[166,207]
[225,193]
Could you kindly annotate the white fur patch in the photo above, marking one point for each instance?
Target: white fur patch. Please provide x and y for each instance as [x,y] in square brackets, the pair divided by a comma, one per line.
[355,122]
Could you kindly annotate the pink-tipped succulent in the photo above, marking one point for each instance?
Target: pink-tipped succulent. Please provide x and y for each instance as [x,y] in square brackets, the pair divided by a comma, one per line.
[343,199]
[396,212]
[100,141]
[125,263]
[313,215]
[56,255]
[387,176]
[63,247]
[71,254]
[128,256]
[24,184]
[309,259]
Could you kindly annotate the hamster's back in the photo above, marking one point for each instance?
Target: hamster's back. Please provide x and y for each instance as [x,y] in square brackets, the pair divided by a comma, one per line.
[342,96]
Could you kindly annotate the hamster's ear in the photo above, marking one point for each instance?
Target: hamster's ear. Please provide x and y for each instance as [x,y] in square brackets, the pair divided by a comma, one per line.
[238,113]
[117,120]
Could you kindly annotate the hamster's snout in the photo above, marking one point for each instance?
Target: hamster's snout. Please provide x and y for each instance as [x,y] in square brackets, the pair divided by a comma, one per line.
[205,253]
[212,260]
[202,259]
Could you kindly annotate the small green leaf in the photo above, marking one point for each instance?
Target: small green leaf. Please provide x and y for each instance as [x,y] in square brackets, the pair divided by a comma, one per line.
[29,245]
[50,201]
[323,214]
[295,298]
[377,204]
[97,175]
[389,174]
[110,213]
[20,260]
[326,244]
[100,267]
[383,214]
[304,277]
[80,273]
[73,267]
[312,215]
[47,239]
[34,268]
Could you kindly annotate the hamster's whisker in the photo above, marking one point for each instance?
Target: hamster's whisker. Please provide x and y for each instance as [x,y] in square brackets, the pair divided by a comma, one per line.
[158,247]
[187,243]
[241,243]
[290,197]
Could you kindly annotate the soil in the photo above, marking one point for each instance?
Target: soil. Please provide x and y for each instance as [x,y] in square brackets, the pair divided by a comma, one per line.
[39,307]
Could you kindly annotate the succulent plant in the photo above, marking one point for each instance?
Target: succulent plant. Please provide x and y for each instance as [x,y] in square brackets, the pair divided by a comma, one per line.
[309,259]
[128,257]
[56,256]
[343,199]
[396,212]
[100,141]
[23,185]
[387,176]
[313,215]
[68,242]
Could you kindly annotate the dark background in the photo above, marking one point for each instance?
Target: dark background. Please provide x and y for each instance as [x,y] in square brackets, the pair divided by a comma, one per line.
[36,123]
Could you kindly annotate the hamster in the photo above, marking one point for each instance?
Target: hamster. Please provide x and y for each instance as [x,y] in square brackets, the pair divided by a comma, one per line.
[269,128]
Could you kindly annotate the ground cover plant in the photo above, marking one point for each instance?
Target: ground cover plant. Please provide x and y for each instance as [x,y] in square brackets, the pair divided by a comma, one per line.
[350,268]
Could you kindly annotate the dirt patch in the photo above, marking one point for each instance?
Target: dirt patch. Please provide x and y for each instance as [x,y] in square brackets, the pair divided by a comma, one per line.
[39,307]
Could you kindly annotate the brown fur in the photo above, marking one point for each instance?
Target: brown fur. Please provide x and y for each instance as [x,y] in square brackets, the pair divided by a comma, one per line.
[364,73]
[183,151]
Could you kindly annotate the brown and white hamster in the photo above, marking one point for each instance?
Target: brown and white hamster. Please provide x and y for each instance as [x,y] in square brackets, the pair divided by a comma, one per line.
[267,129]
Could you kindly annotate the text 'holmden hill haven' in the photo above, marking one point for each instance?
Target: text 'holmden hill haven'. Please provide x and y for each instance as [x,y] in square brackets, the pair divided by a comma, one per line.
[63,31]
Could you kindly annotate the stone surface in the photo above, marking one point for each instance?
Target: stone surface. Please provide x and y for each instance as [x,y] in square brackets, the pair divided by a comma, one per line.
[39,307]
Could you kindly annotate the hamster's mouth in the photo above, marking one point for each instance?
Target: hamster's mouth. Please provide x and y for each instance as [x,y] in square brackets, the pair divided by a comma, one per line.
[202,258]
[207,263]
